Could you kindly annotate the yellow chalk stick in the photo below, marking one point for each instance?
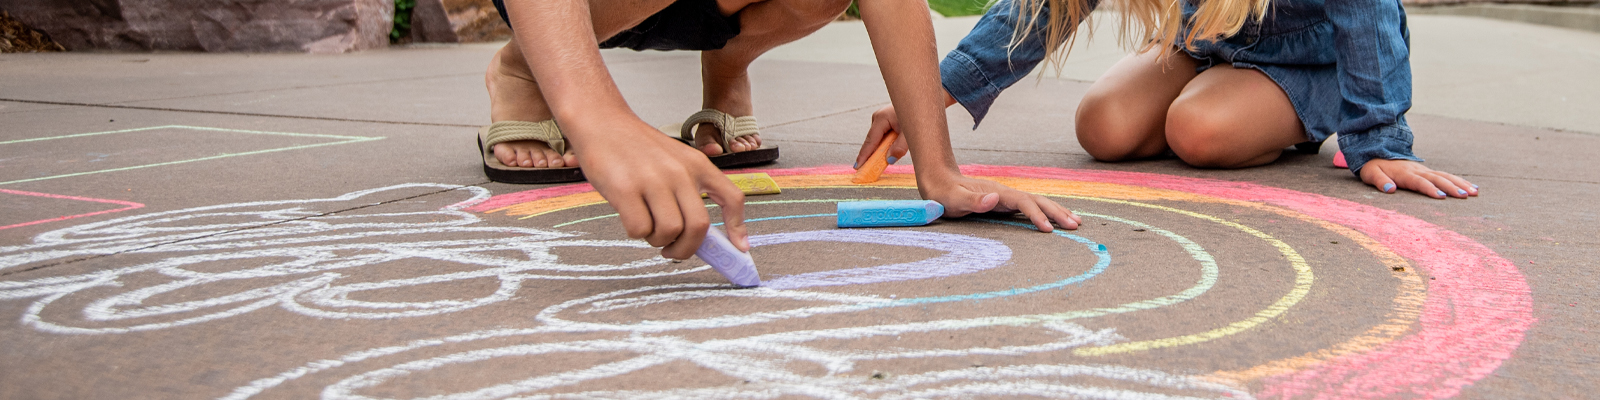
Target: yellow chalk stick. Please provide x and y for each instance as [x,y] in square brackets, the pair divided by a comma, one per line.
[754,184]
[873,168]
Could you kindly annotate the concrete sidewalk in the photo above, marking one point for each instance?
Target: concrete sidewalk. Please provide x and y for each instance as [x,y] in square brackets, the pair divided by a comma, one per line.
[284,226]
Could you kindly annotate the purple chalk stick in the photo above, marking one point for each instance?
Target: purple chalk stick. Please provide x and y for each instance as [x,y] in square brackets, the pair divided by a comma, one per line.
[733,264]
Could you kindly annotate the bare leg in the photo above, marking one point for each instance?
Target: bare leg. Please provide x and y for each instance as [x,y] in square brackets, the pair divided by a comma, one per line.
[763,26]
[1123,117]
[514,95]
[1232,118]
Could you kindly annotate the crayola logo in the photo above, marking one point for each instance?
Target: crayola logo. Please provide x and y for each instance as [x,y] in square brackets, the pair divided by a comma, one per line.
[878,216]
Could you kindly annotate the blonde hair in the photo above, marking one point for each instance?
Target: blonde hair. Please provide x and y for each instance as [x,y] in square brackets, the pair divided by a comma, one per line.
[1151,24]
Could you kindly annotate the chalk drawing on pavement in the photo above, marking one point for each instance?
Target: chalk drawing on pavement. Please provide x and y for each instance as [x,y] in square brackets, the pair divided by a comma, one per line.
[1421,350]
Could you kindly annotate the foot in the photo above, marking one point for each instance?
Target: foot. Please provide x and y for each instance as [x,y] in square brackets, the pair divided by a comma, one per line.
[729,93]
[532,154]
[705,139]
[513,96]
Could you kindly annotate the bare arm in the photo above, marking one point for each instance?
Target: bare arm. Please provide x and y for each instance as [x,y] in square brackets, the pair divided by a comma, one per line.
[902,39]
[558,39]
[653,181]
[909,61]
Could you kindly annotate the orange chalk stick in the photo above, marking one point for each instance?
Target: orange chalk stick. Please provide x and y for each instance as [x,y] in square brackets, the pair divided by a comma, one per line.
[873,168]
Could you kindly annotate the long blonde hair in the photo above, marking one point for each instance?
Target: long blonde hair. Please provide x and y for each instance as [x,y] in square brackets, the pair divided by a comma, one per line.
[1150,24]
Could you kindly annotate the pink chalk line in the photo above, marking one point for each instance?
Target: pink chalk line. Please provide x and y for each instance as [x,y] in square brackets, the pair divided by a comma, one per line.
[512,199]
[129,206]
[1476,314]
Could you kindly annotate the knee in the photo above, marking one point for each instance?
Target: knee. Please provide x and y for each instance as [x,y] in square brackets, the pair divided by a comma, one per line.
[1107,130]
[816,11]
[1199,135]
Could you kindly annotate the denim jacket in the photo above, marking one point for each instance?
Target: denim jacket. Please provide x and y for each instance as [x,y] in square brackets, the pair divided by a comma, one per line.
[1366,40]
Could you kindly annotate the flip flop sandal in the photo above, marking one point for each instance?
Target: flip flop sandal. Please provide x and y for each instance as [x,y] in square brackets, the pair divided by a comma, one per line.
[508,131]
[732,128]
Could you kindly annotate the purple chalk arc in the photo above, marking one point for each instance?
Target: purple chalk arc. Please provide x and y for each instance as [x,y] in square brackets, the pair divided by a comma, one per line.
[963,255]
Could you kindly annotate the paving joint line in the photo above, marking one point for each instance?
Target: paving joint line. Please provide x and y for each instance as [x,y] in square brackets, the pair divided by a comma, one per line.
[953,148]
[126,107]
[826,115]
[1531,179]
[176,241]
[295,88]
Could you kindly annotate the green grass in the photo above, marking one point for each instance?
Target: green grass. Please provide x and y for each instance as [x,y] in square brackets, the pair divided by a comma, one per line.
[948,8]
[958,8]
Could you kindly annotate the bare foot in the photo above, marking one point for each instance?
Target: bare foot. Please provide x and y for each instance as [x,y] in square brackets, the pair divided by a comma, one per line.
[514,96]
[532,154]
[705,139]
[726,87]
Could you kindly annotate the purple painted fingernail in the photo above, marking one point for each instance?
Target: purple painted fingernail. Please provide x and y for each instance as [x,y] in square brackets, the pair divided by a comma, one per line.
[1388,187]
[1461,192]
[892,159]
[858,166]
[1441,193]
[1474,186]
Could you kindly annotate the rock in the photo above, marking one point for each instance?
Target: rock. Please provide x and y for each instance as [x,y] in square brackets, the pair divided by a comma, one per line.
[15,37]
[317,26]
[457,21]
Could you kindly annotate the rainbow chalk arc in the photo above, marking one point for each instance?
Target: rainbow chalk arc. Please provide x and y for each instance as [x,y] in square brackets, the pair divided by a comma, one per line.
[733,264]
[886,213]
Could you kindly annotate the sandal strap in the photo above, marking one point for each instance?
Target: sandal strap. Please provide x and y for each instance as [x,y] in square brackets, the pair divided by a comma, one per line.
[732,127]
[510,131]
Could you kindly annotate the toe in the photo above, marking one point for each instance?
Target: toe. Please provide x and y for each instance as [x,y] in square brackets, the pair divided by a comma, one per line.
[554,159]
[705,139]
[711,149]
[570,159]
[505,154]
[536,159]
[524,158]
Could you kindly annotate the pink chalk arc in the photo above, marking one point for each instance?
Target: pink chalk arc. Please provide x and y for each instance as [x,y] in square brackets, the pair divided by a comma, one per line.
[1477,311]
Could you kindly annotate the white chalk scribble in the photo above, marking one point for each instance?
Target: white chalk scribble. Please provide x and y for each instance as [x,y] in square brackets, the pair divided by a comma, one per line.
[303,257]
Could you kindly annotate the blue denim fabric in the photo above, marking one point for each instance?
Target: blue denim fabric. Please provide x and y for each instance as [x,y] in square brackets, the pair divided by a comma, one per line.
[1345,65]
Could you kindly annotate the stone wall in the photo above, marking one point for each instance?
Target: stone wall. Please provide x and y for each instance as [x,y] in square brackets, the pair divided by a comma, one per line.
[317,26]
[452,21]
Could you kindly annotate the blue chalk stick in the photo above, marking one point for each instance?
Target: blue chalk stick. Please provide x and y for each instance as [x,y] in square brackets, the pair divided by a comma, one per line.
[733,264]
[882,213]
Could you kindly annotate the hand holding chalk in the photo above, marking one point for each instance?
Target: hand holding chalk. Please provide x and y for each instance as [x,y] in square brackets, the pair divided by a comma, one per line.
[733,264]
[873,168]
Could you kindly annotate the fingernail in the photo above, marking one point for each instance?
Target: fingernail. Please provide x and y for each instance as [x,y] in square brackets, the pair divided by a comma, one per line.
[1387,187]
[1474,186]
[1461,192]
[858,166]
[1441,193]
[892,159]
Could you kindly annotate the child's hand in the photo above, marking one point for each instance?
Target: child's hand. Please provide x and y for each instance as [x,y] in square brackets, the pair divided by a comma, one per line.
[654,182]
[1413,176]
[962,195]
[883,121]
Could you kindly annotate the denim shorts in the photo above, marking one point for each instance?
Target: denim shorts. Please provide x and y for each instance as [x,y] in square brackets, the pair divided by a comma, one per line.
[683,25]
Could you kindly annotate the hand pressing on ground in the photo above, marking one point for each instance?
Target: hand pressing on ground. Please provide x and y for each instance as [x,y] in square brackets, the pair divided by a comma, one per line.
[654,182]
[1387,175]
[962,195]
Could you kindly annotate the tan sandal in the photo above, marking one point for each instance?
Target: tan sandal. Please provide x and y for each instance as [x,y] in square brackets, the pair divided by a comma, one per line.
[511,131]
[732,128]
